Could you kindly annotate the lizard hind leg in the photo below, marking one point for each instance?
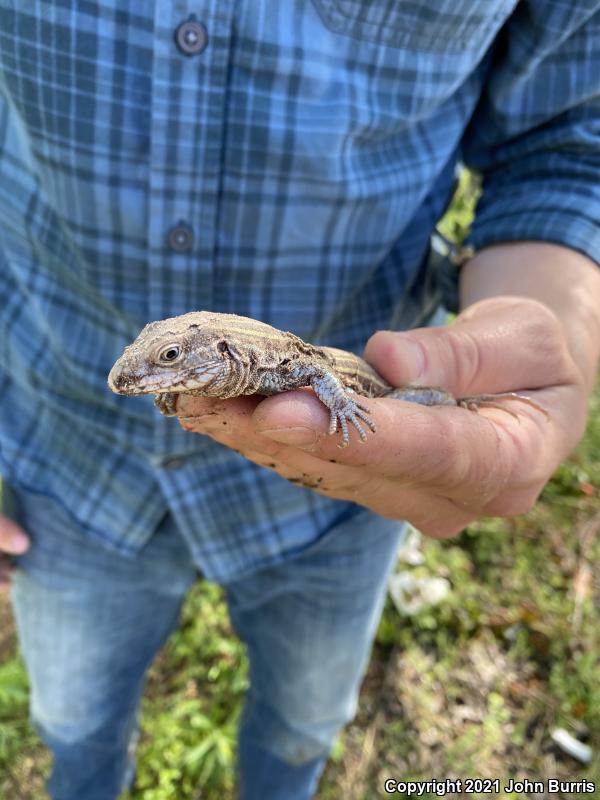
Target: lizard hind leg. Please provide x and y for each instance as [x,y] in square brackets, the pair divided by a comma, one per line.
[435,396]
[491,401]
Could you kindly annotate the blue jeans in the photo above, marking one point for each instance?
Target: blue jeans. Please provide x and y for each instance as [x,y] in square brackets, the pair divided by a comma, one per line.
[91,621]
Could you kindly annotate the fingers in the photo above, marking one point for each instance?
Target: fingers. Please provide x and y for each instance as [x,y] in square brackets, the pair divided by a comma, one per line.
[445,447]
[452,451]
[13,539]
[228,421]
[319,463]
[439,468]
[478,353]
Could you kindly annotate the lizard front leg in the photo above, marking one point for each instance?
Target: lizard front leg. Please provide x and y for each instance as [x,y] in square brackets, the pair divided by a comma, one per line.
[330,390]
[343,408]
[165,402]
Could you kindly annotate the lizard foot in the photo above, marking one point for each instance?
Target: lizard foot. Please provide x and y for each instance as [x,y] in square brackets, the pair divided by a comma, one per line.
[491,401]
[351,412]
[343,408]
[435,396]
[165,402]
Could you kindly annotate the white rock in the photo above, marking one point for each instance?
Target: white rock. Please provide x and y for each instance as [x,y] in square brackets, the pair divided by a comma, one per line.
[571,745]
[410,594]
[409,551]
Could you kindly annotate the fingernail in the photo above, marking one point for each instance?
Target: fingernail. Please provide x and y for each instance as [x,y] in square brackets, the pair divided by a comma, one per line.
[187,422]
[413,352]
[199,423]
[297,437]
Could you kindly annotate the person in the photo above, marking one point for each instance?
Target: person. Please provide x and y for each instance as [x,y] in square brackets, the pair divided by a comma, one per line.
[287,162]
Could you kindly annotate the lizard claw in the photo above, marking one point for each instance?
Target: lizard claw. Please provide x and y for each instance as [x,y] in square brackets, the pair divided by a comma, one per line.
[352,413]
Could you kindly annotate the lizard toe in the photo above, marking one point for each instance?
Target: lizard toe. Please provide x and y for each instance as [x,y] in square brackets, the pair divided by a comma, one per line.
[345,433]
[361,431]
[333,422]
[368,420]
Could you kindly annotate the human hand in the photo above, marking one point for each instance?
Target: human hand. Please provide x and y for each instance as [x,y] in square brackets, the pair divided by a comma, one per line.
[13,541]
[440,468]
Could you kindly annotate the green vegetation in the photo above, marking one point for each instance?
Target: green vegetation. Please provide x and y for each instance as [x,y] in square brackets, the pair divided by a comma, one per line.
[471,687]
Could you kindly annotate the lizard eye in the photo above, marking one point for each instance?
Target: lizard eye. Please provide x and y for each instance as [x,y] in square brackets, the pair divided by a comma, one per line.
[222,347]
[169,353]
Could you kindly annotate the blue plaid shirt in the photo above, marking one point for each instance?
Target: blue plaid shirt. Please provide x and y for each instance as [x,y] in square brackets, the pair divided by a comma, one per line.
[282,160]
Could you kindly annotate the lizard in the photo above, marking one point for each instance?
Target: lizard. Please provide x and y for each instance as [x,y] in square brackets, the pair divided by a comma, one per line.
[213,354]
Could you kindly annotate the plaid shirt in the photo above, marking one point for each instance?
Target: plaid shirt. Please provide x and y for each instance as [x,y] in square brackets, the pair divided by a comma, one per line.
[282,160]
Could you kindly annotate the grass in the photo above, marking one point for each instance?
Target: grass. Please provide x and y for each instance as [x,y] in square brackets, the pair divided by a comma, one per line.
[471,687]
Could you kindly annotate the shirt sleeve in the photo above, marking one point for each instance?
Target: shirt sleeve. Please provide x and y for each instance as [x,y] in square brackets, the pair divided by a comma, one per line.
[535,134]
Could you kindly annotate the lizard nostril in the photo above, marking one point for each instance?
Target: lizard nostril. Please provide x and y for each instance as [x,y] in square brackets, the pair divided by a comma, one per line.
[115,379]
[119,381]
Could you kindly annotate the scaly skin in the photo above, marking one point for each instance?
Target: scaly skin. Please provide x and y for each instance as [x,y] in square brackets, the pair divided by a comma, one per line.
[218,355]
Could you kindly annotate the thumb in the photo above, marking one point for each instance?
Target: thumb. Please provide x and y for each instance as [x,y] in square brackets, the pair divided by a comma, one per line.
[13,538]
[497,345]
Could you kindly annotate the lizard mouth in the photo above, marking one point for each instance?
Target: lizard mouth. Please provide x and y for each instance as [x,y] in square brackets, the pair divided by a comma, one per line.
[132,384]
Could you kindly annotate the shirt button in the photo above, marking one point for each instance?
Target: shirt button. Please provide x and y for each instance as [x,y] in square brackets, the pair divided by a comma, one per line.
[174,463]
[191,37]
[181,238]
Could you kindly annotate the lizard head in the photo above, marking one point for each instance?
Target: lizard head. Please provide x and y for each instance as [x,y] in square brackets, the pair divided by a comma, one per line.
[179,354]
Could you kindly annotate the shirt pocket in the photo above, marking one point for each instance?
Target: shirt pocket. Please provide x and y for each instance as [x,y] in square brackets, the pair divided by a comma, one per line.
[428,25]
